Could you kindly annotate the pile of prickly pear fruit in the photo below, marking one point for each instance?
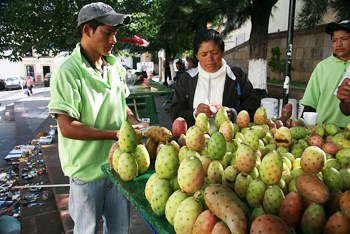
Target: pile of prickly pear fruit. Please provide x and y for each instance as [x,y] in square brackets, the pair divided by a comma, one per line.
[252,177]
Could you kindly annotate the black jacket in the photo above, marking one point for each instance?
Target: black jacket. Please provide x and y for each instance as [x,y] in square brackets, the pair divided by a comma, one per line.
[238,94]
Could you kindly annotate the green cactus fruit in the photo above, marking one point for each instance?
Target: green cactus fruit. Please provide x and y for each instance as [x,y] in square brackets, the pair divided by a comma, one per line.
[341,142]
[259,130]
[217,146]
[220,117]
[333,179]
[167,162]
[149,186]
[260,116]
[142,158]
[127,137]
[273,198]
[173,203]
[255,193]
[160,194]
[297,150]
[256,212]
[202,122]
[312,160]
[298,132]
[215,172]
[345,174]
[331,129]
[191,174]
[343,156]
[319,130]
[195,139]
[245,158]
[229,176]
[241,185]
[186,215]
[127,167]
[252,139]
[313,219]
[174,184]
[271,168]
[115,158]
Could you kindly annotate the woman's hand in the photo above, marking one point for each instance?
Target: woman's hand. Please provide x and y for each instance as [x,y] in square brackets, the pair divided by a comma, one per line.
[205,108]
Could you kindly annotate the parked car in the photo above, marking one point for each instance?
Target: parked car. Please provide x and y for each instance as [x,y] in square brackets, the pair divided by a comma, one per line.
[15,82]
[2,84]
[47,78]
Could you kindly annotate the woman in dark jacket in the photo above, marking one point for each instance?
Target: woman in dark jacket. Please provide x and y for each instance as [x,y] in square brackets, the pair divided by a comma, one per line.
[212,82]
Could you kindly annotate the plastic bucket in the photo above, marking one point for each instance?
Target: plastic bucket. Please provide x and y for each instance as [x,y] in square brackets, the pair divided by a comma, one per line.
[294,103]
[271,106]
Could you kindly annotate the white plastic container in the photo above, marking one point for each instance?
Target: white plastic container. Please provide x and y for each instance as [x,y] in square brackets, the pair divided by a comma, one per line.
[271,106]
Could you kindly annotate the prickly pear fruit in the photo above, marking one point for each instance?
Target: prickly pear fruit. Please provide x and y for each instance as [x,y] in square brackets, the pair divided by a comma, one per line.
[202,122]
[316,140]
[226,128]
[215,172]
[167,162]
[142,158]
[115,158]
[291,209]
[260,116]
[271,224]
[190,174]
[217,146]
[313,219]
[286,112]
[225,204]
[229,176]
[255,193]
[283,137]
[337,224]
[160,194]
[127,167]
[245,158]
[273,198]
[312,188]
[221,117]
[333,179]
[151,146]
[271,167]
[160,134]
[195,139]
[173,203]
[241,185]
[149,186]
[220,228]
[331,129]
[243,119]
[312,159]
[186,215]
[111,152]
[204,223]
[344,203]
[179,127]
[298,132]
[127,137]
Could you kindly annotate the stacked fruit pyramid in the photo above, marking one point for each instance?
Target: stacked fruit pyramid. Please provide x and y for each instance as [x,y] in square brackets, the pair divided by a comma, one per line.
[259,176]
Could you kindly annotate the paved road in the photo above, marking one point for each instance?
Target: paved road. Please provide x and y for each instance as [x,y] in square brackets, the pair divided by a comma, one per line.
[29,114]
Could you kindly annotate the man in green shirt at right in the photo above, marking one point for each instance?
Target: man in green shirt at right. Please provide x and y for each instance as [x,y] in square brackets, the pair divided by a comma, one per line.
[321,92]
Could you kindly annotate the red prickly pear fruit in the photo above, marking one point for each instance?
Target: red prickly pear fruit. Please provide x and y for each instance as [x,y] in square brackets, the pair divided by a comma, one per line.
[179,127]
[287,111]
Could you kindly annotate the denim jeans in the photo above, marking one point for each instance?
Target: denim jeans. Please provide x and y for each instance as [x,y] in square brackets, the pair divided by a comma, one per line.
[89,201]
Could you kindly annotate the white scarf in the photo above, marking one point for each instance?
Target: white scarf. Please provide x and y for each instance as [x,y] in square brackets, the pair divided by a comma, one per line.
[210,86]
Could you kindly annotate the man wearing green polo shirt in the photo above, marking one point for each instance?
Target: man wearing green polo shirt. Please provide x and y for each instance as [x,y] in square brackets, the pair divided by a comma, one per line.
[321,91]
[88,92]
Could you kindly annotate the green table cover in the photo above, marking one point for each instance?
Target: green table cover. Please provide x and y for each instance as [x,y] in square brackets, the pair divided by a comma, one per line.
[134,191]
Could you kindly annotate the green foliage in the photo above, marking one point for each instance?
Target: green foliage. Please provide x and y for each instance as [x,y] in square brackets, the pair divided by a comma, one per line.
[276,63]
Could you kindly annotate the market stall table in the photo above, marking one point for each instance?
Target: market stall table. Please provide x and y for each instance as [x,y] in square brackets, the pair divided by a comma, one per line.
[141,100]
[134,191]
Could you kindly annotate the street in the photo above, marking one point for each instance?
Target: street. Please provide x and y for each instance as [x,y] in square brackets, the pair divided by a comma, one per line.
[29,112]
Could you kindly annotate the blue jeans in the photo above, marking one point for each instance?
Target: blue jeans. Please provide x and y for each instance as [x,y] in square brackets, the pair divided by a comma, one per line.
[89,201]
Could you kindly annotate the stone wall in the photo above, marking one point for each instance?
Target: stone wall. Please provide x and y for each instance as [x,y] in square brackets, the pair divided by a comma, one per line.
[310,46]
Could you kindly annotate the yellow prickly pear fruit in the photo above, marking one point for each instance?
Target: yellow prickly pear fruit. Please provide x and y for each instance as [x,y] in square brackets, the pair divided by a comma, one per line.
[127,137]
[260,116]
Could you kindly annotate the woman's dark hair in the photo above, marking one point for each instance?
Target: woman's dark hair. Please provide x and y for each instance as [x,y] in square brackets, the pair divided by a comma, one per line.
[208,35]
[92,23]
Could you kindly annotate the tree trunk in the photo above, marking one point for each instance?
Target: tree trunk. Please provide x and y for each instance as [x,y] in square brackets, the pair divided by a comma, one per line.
[260,16]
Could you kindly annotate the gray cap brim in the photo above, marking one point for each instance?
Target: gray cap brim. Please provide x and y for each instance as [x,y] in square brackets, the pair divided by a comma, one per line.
[115,19]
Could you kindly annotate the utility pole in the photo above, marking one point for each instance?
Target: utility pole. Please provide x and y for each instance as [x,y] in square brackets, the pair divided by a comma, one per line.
[289,49]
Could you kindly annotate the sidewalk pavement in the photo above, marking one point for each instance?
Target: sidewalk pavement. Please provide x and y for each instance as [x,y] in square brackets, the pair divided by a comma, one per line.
[55,217]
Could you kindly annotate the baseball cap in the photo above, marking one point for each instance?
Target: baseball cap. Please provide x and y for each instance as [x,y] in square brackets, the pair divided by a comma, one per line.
[342,25]
[103,13]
